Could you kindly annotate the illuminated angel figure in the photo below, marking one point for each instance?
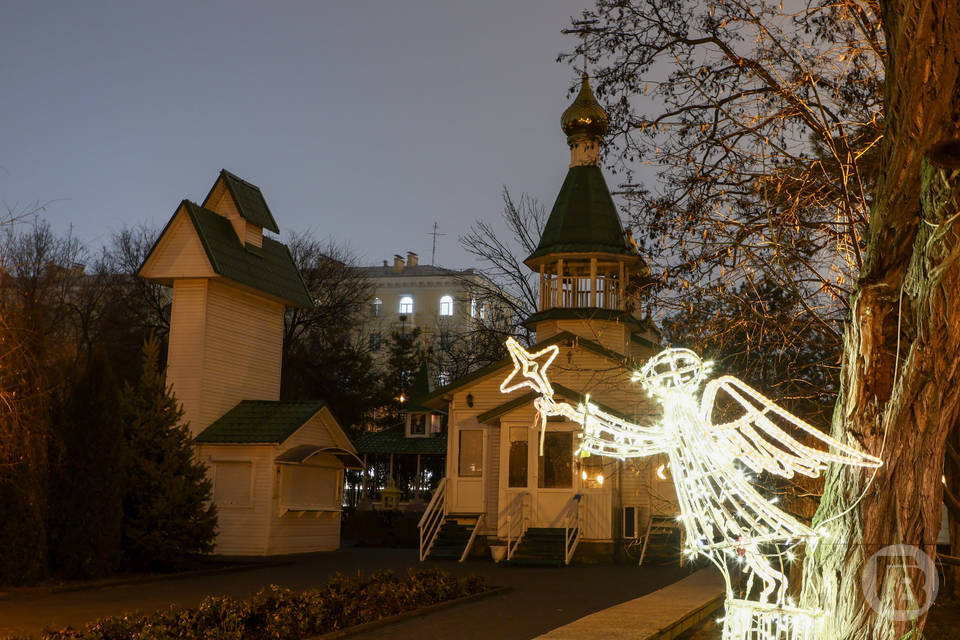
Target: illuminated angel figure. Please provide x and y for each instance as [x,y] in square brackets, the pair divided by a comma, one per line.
[723,516]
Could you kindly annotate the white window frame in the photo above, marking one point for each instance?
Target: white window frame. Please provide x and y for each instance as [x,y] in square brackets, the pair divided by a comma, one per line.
[403,303]
[376,306]
[446,305]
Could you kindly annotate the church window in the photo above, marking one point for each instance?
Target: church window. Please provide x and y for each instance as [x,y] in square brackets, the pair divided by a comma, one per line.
[556,463]
[518,457]
[471,454]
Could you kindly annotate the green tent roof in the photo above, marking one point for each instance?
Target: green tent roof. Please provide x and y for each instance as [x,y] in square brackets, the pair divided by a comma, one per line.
[260,422]
[584,217]
[269,268]
[396,442]
[251,204]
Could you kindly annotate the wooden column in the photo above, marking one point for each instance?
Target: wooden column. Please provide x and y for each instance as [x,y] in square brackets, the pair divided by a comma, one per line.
[416,484]
[363,478]
[560,282]
[593,282]
[622,286]
[544,287]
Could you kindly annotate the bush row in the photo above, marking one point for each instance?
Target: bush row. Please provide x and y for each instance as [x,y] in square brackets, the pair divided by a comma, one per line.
[276,613]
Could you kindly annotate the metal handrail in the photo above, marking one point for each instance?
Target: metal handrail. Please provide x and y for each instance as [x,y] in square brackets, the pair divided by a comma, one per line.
[432,518]
[572,527]
[473,536]
[516,514]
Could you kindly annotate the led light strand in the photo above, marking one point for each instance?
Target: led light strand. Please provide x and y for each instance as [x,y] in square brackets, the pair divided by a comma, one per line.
[723,516]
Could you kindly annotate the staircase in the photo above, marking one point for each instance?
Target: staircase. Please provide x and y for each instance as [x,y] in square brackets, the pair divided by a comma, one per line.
[455,536]
[540,546]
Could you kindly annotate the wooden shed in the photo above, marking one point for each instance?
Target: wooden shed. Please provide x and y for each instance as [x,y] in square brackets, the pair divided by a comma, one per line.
[277,471]
[277,467]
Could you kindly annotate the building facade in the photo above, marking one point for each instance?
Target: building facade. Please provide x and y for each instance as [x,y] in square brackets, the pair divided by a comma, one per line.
[446,305]
[271,463]
[508,473]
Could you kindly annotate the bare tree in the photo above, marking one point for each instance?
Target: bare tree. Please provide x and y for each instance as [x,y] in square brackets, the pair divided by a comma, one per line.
[508,283]
[323,354]
[815,152]
[761,123]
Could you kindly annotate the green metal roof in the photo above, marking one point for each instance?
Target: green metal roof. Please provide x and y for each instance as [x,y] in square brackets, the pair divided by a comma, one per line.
[487,417]
[396,442]
[269,269]
[250,202]
[260,422]
[584,218]
[586,313]
[433,398]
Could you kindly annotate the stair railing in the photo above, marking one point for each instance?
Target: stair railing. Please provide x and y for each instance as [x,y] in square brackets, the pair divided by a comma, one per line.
[516,522]
[473,535]
[572,527]
[432,518]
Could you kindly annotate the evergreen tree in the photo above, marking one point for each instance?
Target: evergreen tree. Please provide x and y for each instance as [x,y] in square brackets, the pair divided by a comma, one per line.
[86,500]
[406,356]
[168,508]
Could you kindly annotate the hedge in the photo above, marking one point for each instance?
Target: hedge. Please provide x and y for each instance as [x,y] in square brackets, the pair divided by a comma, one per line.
[275,613]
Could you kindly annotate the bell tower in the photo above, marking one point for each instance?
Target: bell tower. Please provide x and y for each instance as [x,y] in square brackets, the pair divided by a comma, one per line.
[584,258]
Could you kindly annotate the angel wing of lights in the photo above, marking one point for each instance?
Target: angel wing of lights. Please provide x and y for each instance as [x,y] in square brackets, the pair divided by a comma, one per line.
[723,515]
[761,444]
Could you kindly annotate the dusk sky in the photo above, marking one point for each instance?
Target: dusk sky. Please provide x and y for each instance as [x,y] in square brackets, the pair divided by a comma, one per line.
[362,121]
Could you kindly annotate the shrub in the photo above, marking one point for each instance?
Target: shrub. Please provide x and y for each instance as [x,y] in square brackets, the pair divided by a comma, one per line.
[281,613]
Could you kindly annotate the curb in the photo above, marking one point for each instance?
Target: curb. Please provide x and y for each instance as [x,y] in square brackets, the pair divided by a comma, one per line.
[382,622]
[691,620]
[157,577]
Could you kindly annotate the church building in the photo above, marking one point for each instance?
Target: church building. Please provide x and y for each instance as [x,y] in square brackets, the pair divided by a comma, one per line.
[542,502]
[277,467]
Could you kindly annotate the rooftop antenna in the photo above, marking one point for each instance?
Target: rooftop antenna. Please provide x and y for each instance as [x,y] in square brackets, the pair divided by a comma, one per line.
[433,254]
[582,28]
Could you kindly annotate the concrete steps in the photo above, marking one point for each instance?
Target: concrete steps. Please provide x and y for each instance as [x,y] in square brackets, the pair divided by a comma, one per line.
[540,547]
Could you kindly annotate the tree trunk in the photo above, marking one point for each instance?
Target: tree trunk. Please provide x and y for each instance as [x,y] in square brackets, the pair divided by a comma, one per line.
[905,304]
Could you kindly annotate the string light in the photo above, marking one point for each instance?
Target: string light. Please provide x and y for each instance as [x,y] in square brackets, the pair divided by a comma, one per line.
[723,516]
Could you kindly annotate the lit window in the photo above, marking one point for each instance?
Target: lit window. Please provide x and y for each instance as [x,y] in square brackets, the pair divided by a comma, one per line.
[446,306]
[376,307]
[418,423]
[473,307]
[406,305]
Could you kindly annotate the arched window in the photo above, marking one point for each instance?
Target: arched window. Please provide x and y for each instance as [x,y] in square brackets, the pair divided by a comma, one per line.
[376,307]
[406,305]
[446,306]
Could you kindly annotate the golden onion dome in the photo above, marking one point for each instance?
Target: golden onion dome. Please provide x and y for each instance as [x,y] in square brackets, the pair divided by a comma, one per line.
[585,117]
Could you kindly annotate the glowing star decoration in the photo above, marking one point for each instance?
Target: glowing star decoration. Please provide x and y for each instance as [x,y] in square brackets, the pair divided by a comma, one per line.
[534,375]
[723,516]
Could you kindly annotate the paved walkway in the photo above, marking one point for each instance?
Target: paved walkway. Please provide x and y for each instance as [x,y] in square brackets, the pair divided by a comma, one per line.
[665,613]
[541,598]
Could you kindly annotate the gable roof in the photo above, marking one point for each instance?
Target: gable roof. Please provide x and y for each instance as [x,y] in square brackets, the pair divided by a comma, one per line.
[584,218]
[269,268]
[260,422]
[396,442]
[434,399]
[487,417]
[250,202]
